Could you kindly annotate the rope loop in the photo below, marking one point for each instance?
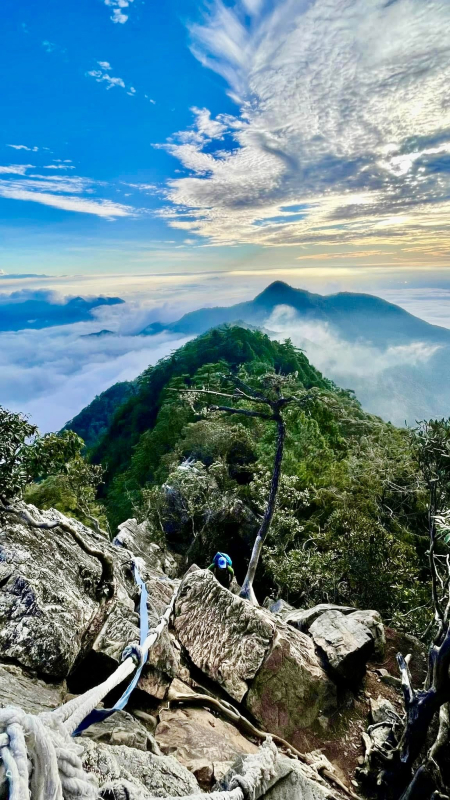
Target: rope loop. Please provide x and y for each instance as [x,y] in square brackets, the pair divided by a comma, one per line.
[136,652]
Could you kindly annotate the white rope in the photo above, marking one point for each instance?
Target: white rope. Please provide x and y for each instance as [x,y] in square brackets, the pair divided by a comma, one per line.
[43,745]
[43,762]
[76,710]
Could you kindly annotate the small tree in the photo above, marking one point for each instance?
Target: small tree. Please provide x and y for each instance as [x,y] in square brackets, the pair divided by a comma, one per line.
[25,456]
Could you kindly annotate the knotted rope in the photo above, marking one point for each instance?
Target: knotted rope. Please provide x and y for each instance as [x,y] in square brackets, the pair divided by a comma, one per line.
[41,759]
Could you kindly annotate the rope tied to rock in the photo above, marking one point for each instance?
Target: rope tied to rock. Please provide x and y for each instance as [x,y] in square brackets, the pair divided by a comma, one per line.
[40,757]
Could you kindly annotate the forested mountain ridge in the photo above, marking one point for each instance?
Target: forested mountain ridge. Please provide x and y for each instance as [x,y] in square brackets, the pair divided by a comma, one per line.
[233,346]
[94,420]
[353,315]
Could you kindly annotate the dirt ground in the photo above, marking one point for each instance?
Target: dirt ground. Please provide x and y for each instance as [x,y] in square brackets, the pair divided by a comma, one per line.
[339,736]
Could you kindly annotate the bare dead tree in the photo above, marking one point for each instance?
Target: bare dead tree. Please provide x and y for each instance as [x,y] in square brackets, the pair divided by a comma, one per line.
[274,402]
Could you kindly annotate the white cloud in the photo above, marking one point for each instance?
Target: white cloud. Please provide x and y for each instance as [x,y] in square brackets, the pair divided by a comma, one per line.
[343,110]
[24,147]
[102,76]
[58,166]
[100,208]
[118,5]
[52,374]
[391,382]
[15,169]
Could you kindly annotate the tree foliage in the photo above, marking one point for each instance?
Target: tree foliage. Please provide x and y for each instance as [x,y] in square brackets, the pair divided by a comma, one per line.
[49,470]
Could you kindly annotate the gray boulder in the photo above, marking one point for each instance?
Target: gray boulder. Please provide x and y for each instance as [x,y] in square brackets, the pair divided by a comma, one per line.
[344,643]
[123,729]
[116,766]
[372,621]
[31,694]
[48,599]
[136,537]
[302,619]
[226,637]
[203,743]
[270,667]
[290,690]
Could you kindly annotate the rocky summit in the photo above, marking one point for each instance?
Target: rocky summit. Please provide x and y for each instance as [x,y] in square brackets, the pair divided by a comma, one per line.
[223,676]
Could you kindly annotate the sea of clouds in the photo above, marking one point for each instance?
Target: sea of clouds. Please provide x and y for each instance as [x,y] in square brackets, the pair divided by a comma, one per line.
[51,374]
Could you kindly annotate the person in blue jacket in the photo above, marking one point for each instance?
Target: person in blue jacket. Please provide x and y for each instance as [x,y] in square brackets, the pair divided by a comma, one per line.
[222,569]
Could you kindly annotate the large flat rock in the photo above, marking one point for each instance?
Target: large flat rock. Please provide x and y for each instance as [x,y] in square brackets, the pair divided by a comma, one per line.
[269,666]
[226,637]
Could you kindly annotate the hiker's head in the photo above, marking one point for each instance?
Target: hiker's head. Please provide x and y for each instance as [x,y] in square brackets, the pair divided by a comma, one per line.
[222,560]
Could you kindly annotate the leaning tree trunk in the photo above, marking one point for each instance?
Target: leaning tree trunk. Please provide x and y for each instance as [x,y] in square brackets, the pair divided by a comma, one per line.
[405,778]
[247,587]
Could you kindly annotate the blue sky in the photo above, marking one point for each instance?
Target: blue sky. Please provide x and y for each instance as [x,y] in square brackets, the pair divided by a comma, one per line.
[250,135]
[86,100]
[184,153]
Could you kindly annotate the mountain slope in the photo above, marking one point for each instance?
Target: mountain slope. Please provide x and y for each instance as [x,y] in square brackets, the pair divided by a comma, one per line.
[231,346]
[354,316]
[94,420]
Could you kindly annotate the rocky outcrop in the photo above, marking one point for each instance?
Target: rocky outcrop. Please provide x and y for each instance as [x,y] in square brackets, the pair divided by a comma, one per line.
[344,643]
[48,600]
[267,665]
[59,636]
[51,615]
[224,636]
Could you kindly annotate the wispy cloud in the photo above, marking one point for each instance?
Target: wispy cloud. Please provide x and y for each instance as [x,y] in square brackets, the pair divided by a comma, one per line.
[118,7]
[58,166]
[102,75]
[343,108]
[23,147]
[68,193]
[101,208]
[15,169]
[51,47]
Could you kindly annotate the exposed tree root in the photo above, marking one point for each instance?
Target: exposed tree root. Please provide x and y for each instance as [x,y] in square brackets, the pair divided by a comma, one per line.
[241,722]
[106,585]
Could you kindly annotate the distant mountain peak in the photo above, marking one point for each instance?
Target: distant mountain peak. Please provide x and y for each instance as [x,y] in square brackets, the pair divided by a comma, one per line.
[278,288]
